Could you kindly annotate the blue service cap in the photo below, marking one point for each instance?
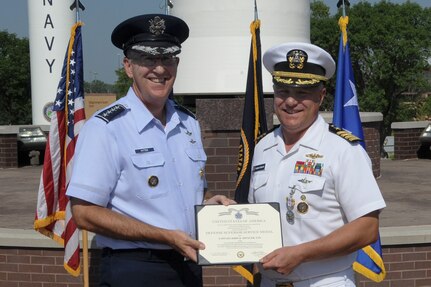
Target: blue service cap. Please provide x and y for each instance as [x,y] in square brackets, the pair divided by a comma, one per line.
[152,34]
[298,64]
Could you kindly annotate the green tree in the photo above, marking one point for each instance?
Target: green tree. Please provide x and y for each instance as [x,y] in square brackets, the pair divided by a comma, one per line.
[323,33]
[122,84]
[97,86]
[390,45]
[15,86]
[425,111]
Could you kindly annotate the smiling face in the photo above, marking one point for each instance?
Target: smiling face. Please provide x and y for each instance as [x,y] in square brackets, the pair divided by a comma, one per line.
[297,109]
[153,79]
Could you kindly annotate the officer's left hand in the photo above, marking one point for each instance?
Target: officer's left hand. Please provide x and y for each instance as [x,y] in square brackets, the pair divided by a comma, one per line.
[220,199]
[282,260]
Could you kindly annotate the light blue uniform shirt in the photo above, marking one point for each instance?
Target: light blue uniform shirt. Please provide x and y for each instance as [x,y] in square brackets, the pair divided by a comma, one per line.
[116,156]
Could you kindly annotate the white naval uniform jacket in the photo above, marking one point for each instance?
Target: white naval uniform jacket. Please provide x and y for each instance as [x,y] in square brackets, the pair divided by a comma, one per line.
[127,161]
[330,175]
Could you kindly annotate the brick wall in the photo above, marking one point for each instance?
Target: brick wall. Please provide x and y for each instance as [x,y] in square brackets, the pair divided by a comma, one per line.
[22,267]
[406,138]
[407,265]
[8,151]
[372,143]
[406,143]
[222,158]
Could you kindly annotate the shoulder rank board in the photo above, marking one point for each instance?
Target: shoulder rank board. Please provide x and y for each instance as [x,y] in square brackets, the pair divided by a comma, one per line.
[110,113]
[262,135]
[344,134]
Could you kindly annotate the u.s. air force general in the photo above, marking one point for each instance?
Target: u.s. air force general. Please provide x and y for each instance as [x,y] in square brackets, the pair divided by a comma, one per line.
[139,166]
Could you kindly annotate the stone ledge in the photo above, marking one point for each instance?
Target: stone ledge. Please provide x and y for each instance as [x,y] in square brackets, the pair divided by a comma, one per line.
[409,125]
[31,238]
[399,235]
[14,129]
[366,117]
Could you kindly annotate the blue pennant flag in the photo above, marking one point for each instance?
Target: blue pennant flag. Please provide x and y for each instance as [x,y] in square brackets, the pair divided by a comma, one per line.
[346,108]
[369,261]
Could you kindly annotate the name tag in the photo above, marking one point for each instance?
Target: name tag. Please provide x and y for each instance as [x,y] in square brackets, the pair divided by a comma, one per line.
[259,167]
[144,150]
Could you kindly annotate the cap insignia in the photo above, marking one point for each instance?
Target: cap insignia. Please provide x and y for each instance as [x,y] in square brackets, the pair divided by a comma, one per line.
[296,59]
[157,26]
[157,50]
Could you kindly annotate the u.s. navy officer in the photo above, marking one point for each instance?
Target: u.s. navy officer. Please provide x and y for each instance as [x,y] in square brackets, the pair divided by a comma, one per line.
[329,199]
[139,166]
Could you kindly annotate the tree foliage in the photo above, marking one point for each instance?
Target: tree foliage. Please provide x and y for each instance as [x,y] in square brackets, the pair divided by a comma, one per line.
[323,33]
[390,46]
[15,86]
[122,84]
[97,86]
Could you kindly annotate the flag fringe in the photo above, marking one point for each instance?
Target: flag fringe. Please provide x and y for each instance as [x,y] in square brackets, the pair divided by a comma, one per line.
[44,222]
[41,224]
[361,269]
[253,27]
[343,22]
[244,273]
[52,235]
[244,157]
[71,271]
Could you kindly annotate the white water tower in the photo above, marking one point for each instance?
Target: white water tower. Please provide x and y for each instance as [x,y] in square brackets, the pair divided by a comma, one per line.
[50,23]
[214,59]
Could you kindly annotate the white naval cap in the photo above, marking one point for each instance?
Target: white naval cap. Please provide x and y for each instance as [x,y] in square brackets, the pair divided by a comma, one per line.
[298,64]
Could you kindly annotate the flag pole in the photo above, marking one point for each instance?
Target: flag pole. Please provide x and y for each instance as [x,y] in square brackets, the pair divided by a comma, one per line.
[344,9]
[84,232]
[85,256]
[168,6]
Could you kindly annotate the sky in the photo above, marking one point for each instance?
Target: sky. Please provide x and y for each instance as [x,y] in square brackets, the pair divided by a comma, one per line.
[101,58]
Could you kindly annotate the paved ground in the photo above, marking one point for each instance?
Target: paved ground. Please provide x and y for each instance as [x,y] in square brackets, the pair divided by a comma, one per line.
[406,186]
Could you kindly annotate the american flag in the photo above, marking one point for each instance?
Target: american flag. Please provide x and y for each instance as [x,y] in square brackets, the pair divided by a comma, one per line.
[53,217]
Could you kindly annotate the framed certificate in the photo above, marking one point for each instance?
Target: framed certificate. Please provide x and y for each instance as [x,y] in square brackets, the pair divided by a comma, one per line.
[237,234]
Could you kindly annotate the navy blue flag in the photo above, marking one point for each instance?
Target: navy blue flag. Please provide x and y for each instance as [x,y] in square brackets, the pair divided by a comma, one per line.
[253,118]
[369,261]
[253,126]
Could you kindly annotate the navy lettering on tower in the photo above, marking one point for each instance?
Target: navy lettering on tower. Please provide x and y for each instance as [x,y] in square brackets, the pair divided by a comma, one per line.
[49,42]
[48,21]
[49,45]
[50,64]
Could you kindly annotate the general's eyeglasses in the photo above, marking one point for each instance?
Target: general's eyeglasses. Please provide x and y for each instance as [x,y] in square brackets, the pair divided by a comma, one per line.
[153,61]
